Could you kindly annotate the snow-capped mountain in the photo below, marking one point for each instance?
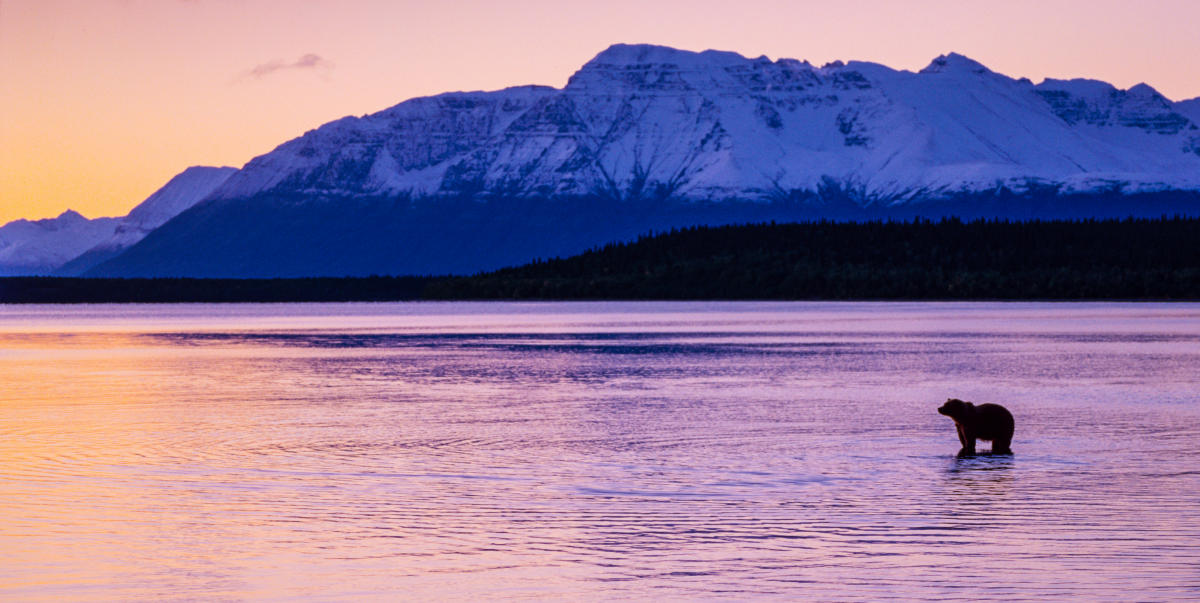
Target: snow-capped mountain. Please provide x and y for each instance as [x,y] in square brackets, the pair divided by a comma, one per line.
[29,247]
[649,119]
[178,194]
[646,137]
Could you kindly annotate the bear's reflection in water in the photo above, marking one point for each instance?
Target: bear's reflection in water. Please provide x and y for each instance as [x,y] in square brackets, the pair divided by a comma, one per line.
[981,464]
[991,474]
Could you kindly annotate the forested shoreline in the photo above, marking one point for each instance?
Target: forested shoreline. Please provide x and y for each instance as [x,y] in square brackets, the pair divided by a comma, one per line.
[1138,259]
[919,259]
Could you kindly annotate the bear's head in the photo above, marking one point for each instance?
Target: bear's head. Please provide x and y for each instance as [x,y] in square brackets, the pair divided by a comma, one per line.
[954,408]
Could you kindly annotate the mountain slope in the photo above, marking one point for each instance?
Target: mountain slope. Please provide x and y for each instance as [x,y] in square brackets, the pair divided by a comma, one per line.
[37,247]
[179,193]
[647,137]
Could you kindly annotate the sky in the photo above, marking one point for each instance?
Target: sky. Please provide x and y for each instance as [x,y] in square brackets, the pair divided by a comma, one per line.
[103,101]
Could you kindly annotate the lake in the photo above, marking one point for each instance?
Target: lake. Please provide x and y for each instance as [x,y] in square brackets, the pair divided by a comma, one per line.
[584,451]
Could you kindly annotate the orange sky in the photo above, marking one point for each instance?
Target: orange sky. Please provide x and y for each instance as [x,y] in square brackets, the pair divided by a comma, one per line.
[102,101]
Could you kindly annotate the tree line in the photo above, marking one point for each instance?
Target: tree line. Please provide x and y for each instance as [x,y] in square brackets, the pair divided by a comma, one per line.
[917,259]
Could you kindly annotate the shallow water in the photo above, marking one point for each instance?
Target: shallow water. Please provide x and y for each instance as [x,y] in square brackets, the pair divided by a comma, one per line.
[596,451]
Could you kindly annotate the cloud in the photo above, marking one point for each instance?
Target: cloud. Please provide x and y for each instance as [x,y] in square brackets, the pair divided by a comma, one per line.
[310,62]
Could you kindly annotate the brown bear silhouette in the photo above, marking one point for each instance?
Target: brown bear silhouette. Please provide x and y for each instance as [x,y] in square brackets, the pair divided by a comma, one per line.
[984,422]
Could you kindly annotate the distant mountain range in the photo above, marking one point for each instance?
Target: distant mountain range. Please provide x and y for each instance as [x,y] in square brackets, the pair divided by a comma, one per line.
[30,247]
[647,138]
[71,244]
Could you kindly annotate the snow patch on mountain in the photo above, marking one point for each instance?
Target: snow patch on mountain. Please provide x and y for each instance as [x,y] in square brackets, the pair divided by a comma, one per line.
[407,148]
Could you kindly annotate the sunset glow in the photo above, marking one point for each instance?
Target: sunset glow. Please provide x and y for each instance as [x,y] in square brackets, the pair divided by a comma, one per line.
[103,101]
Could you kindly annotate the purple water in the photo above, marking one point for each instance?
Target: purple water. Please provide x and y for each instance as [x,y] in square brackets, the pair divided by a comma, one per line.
[596,451]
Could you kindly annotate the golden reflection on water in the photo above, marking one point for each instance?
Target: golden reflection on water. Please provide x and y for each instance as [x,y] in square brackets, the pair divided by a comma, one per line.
[420,457]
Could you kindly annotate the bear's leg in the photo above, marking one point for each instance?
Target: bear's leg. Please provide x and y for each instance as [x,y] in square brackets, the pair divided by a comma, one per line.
[968,441]
[1001,445]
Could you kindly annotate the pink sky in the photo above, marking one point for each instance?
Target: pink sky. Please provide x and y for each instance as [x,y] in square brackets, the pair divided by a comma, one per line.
[102,101]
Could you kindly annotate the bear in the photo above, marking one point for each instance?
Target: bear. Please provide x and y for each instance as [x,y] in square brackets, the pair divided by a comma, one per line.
[985,422]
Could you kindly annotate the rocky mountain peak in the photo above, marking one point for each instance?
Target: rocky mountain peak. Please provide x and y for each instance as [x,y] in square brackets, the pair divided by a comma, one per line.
[70,216]
[955,63]
[628,55]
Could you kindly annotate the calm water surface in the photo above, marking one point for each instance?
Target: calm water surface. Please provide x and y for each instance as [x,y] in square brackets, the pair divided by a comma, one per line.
[596,451]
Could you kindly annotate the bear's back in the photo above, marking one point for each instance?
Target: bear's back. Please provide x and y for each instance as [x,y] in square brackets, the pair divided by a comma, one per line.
[992,421]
